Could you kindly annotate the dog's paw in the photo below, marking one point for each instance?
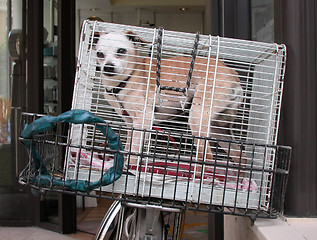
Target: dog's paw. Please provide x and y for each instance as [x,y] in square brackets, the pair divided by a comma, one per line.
[236,94]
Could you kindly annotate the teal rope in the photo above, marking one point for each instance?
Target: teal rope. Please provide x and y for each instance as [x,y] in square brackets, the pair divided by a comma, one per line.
[76,116]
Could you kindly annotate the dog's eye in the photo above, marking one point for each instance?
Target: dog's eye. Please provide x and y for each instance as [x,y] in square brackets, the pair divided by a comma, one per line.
[100,55]
[122,51]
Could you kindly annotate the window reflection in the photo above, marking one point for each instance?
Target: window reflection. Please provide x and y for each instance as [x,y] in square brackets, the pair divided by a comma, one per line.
[262,20]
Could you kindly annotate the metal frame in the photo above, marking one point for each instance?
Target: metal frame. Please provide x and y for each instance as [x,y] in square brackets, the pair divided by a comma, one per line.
[231,18]
[29,95]
[299,116]
[66,76]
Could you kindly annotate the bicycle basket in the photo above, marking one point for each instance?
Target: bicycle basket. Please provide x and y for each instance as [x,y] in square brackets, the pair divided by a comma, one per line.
[164,177]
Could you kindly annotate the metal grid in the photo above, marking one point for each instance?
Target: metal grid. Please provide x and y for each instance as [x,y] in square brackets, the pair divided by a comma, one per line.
[227,89]
[259,67]
[164,181]
[233,93]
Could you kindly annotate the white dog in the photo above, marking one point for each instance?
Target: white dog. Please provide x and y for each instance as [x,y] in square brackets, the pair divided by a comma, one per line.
[125,75]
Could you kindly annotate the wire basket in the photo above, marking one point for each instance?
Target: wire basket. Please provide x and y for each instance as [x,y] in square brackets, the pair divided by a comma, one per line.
[165,178]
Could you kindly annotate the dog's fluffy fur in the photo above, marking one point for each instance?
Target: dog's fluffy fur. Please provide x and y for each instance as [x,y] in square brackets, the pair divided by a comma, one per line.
[119,60]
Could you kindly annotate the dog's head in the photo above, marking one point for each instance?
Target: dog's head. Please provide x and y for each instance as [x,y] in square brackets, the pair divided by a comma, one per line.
[116,55]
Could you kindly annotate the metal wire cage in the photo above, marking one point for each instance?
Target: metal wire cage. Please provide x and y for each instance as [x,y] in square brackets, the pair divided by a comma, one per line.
[198,116]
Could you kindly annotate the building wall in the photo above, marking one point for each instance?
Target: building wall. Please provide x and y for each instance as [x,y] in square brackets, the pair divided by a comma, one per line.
[238,228]
[186,22]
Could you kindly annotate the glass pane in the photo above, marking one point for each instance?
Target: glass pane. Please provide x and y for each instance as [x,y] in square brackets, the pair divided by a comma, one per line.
[5,100]
[262,19]
[50,56]
[13,200]
[49,205]
[4,76]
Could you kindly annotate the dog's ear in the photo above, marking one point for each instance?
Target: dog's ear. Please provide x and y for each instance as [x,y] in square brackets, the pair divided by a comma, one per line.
[134,37]
[95,39]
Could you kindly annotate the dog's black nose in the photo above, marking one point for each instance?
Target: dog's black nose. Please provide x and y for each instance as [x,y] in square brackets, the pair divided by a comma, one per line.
[109,69]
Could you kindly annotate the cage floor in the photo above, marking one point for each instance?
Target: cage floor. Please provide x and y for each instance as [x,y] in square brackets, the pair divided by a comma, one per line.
[177,189]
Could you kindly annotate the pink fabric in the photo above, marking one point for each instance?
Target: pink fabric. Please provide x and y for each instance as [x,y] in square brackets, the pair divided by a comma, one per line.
[249,184]
[222,177]
[95,161]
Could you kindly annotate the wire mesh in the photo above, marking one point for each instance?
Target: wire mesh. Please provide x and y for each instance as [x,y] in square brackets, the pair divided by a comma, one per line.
[164,178]
[198,116]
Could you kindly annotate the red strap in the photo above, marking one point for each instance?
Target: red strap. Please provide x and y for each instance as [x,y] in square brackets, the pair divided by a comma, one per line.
[171,170]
